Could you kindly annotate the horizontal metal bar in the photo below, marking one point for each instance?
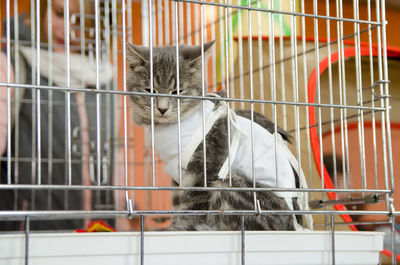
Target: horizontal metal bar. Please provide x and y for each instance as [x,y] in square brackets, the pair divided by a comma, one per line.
[356,223]
[60,160]
[44,45]
[255,101]
[54,102]
[280,12]
[369,199]
[79,214]
[83,187]
[44,160]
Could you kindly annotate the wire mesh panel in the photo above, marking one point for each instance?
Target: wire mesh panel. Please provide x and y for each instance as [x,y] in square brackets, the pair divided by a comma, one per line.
[197,115]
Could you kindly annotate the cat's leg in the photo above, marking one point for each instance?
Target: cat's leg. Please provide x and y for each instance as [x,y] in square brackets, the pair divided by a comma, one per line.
[187,200]
[229,200]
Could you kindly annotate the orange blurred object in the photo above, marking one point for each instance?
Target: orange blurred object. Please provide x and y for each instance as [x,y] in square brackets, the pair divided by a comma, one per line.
[96,226]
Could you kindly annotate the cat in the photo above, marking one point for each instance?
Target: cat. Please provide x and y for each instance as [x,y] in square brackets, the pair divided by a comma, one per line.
[166,114]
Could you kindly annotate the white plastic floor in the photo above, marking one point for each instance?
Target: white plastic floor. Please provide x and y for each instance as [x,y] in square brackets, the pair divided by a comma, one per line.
[211,248]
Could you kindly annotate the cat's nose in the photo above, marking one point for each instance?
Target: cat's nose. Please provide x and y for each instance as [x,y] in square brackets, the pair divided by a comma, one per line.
[162,110]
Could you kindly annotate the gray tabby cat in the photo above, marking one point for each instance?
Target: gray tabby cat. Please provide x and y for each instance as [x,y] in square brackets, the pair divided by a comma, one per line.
[165,112]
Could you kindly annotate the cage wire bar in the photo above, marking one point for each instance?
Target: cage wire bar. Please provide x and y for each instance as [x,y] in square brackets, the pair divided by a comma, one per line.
[262,46]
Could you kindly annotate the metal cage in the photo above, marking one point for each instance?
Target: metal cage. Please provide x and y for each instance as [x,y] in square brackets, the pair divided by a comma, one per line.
[70,153]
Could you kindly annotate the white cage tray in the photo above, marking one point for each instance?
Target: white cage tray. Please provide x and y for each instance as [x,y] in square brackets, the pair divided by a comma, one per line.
[219,248]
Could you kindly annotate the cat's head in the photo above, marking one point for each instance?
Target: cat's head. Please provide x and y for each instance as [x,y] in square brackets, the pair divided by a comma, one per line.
[164,81]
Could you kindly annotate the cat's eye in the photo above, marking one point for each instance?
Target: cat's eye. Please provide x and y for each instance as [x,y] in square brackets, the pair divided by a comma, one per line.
[176,92]
[148,90]
[138,68]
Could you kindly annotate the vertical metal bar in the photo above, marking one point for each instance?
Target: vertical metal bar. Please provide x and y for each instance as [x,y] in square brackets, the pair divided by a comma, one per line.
[260,56]
[152,90]
[361,139]
[17,103]
[316,47]
[270,29]
[68,95]
[271,46]
[27,233]
[148,142]
[81,24]
[8,93]
[141,240]
[295,79]
[147,162]
[106,55]
[38,102]
[158,182]
[116,115]
[154,23]
[382,103]
[214,54]
[189,31]
[393,238]
[145,21]
[130,134]
[205,39]
[145,41]
[178,100]
[240,42]
[17,98]
[130,21]
[222,45]
[159,23]
[243,240]
[282,66]
[228,81]
[82,32]
[333,239]
[181,29]
[33,136]
[332,117]
[116,99]
[98,95]
[196,24]
[165,199]
[231,86]
[203,93]
[361,100]
[344,102]
[124,100]
[342,86]
[50,101]
[253,173]
[157,37]
[371,70]
[304,46]
[387,103]
[166,21]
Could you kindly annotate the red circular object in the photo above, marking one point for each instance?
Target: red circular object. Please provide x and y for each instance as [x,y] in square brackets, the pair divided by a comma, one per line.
[312,82]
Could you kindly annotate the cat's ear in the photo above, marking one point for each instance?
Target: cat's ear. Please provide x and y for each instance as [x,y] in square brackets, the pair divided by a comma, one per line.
[136,55]
[192,54]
